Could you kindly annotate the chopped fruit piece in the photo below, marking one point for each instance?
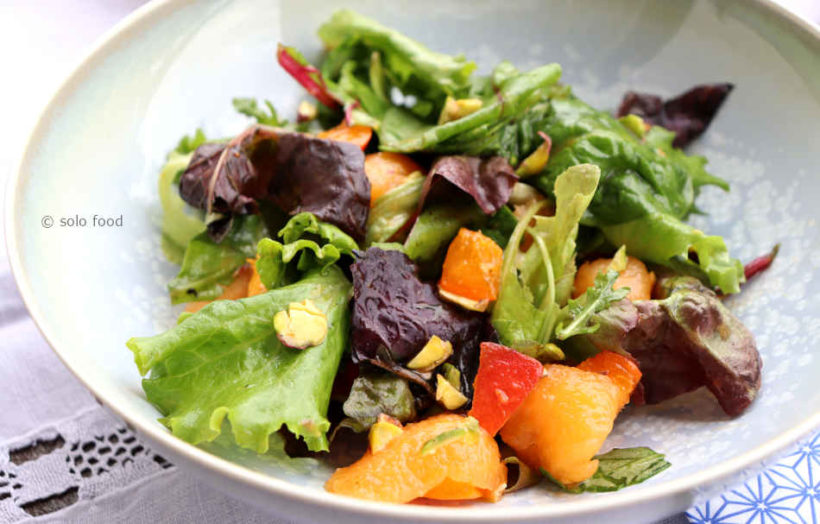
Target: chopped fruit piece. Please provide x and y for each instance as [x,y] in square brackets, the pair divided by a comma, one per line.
[383,431]
[622,370]
[635,276]
[563,423]
[435,352]
[471,273]
[356,135]
[255,285]
[401,473]
[238,288]
[451,490]
[387,171]
[505,377]
[448,395]
[454,109]
[303,325]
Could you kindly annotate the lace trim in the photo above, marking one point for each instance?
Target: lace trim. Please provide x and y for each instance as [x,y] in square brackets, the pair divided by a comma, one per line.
[71,462]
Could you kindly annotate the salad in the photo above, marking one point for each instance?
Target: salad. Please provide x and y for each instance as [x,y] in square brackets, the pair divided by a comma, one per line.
[449,284]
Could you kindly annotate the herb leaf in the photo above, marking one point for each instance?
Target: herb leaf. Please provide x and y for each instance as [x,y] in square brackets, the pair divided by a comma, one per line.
[579,313]
[250,108]
[618,469]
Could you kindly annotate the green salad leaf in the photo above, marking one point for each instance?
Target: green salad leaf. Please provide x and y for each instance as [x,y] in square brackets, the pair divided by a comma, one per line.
[408,63]
[435,227]
[318,245]
[648,188]
[579,314]
[250,107]
[618,469]
[535,285]
[208,267]
[514,97]
[178,225]
[226,363]
[375,393]
[393,210]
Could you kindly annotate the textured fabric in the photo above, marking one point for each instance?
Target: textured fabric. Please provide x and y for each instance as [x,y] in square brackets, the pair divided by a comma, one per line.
[56,441]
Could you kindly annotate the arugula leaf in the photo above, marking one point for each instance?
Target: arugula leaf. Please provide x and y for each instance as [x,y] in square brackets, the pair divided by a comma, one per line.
[500,226]
[578,315]
[375,393]
[393,210]
[209,266]
[250,108]
[225,361]
[536,284]
[618,469]
[324,245]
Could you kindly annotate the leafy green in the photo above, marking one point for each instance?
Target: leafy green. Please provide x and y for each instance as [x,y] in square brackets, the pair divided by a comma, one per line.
[207,266]
[178,226]
[409,63]
[648,187]
[662,239]
[375,393]
[536,284]
[500,226]
[514,97]
[435,227]
[324,245]
[618,469]
[579,314]
[225,361]
[393,210]
[250,107]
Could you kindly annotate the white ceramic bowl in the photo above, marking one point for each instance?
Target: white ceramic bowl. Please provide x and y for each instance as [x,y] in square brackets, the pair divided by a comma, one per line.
[173,66]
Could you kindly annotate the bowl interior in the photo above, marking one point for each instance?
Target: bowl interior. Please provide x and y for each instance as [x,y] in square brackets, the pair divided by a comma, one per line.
[100,145]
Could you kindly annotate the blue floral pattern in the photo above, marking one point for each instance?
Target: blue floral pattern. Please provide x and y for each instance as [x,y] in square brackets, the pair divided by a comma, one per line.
[787,492]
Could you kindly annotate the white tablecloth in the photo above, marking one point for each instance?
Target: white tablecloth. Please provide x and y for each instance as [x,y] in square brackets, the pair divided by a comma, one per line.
[88,463]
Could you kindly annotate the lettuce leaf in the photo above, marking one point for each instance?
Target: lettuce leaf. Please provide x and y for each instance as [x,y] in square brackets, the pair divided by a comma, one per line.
[393,210]
[225,362]
[178,225]
[408,61]
[535,285]
[648,187]
[250,107]
[324,245]
[683,341]
[208,266]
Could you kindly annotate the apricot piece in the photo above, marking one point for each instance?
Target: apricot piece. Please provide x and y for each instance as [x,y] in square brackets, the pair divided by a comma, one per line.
[356,135]
[386,171]
[255,285]
[405,469]
[563,422]
[635,276]
[622,370]
[471,274]
[238,288]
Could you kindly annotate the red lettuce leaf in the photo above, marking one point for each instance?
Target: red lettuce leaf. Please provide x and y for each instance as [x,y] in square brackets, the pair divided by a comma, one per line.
[307,75]
[488,180]
[688,114]
[395,314]
[323,177]
[297,172]
[686,340]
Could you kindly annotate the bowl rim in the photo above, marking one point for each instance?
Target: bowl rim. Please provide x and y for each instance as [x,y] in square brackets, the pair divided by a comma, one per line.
[143,17]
